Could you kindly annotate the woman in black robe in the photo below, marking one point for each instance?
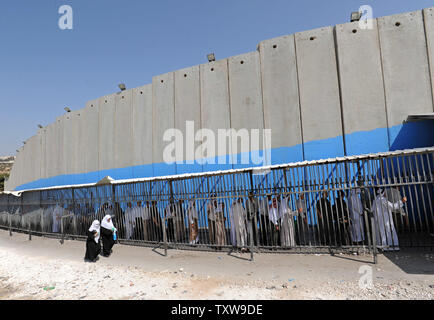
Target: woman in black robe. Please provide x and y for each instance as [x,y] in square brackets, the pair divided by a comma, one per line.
[93,246]
[107,232]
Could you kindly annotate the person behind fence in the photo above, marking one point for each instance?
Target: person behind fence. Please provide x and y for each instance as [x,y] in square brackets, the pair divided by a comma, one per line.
[210,210]
[108,232]
[287,230]
[273,215]
[119,215]
[93,245]
[57,218]
[142,222]
[220,230]
[252,208]
[264,221]
[238,216]
[355,206]
[393,195]
[325,221]
[157,225]
[303,232]
[383,209]
[129,221]
[180,221]
[169,213]
[193,217]
[340,217]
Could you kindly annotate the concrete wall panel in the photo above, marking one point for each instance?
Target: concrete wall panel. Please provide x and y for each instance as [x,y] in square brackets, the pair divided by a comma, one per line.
[215,109]
[142,132]
[163,106]
[80,158]
[43,166]
[187,108]
[50,150]
[362,90]
[61,164]
[67,144]
[90,117]
[405,70]
[107,107]
[319,94]
[281,98]
[428,15]
[124,134]
[245,91]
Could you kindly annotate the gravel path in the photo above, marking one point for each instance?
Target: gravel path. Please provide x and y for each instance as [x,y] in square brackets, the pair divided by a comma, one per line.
[43,269]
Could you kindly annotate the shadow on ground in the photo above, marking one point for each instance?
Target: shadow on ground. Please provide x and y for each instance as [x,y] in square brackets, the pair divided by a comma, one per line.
[413,261]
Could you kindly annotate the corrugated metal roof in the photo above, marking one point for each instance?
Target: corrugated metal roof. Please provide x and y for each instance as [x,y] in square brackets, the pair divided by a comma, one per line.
[265,168]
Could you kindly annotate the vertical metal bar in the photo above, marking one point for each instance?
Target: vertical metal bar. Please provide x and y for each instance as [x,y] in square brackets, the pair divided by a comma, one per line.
[9,217]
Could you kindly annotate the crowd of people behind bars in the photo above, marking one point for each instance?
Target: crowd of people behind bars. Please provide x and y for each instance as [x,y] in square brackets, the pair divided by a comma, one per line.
[273,220]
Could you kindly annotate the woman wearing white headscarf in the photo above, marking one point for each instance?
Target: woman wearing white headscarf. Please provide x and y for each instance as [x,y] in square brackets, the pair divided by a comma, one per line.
[385,228]
[192,221]
[108,230]
[93,246]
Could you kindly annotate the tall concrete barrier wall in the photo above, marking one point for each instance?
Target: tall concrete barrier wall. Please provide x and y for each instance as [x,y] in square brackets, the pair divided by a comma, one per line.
[319,94]
[142,132]
[362,88]
[328,92]
[215,111]
[281,100]
[406,73]
[163,118]
[246,108]
[187,109]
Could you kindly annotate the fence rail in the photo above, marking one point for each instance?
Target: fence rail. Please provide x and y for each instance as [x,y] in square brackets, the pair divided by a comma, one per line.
[367,202]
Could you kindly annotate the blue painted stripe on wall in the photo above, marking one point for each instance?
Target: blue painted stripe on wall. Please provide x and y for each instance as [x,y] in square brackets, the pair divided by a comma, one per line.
[406,136]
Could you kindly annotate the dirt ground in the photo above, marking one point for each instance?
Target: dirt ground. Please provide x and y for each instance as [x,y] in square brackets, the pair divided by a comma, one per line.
[43,269]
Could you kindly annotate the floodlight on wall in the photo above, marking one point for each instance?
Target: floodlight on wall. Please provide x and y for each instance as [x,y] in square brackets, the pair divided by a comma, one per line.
[24,142]
[40,126]
[355,16]
[122,87]
[211,57]
[67,109]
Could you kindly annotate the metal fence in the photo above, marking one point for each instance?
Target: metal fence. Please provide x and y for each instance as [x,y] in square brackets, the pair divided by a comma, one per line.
[367,202]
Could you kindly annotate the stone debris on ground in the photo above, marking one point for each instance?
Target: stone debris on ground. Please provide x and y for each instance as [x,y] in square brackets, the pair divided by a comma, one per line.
[39,276]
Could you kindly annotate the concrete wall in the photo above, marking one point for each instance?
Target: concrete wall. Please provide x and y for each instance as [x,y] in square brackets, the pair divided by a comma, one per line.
[362,89]
[319,94]
[405,69]
[281,98]
[163,118]
[123,150]
[142,132]
[323,93]
[187,108]
[245,105]
[215,110]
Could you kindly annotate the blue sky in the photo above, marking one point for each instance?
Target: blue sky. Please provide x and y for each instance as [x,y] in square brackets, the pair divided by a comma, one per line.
[43,69]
